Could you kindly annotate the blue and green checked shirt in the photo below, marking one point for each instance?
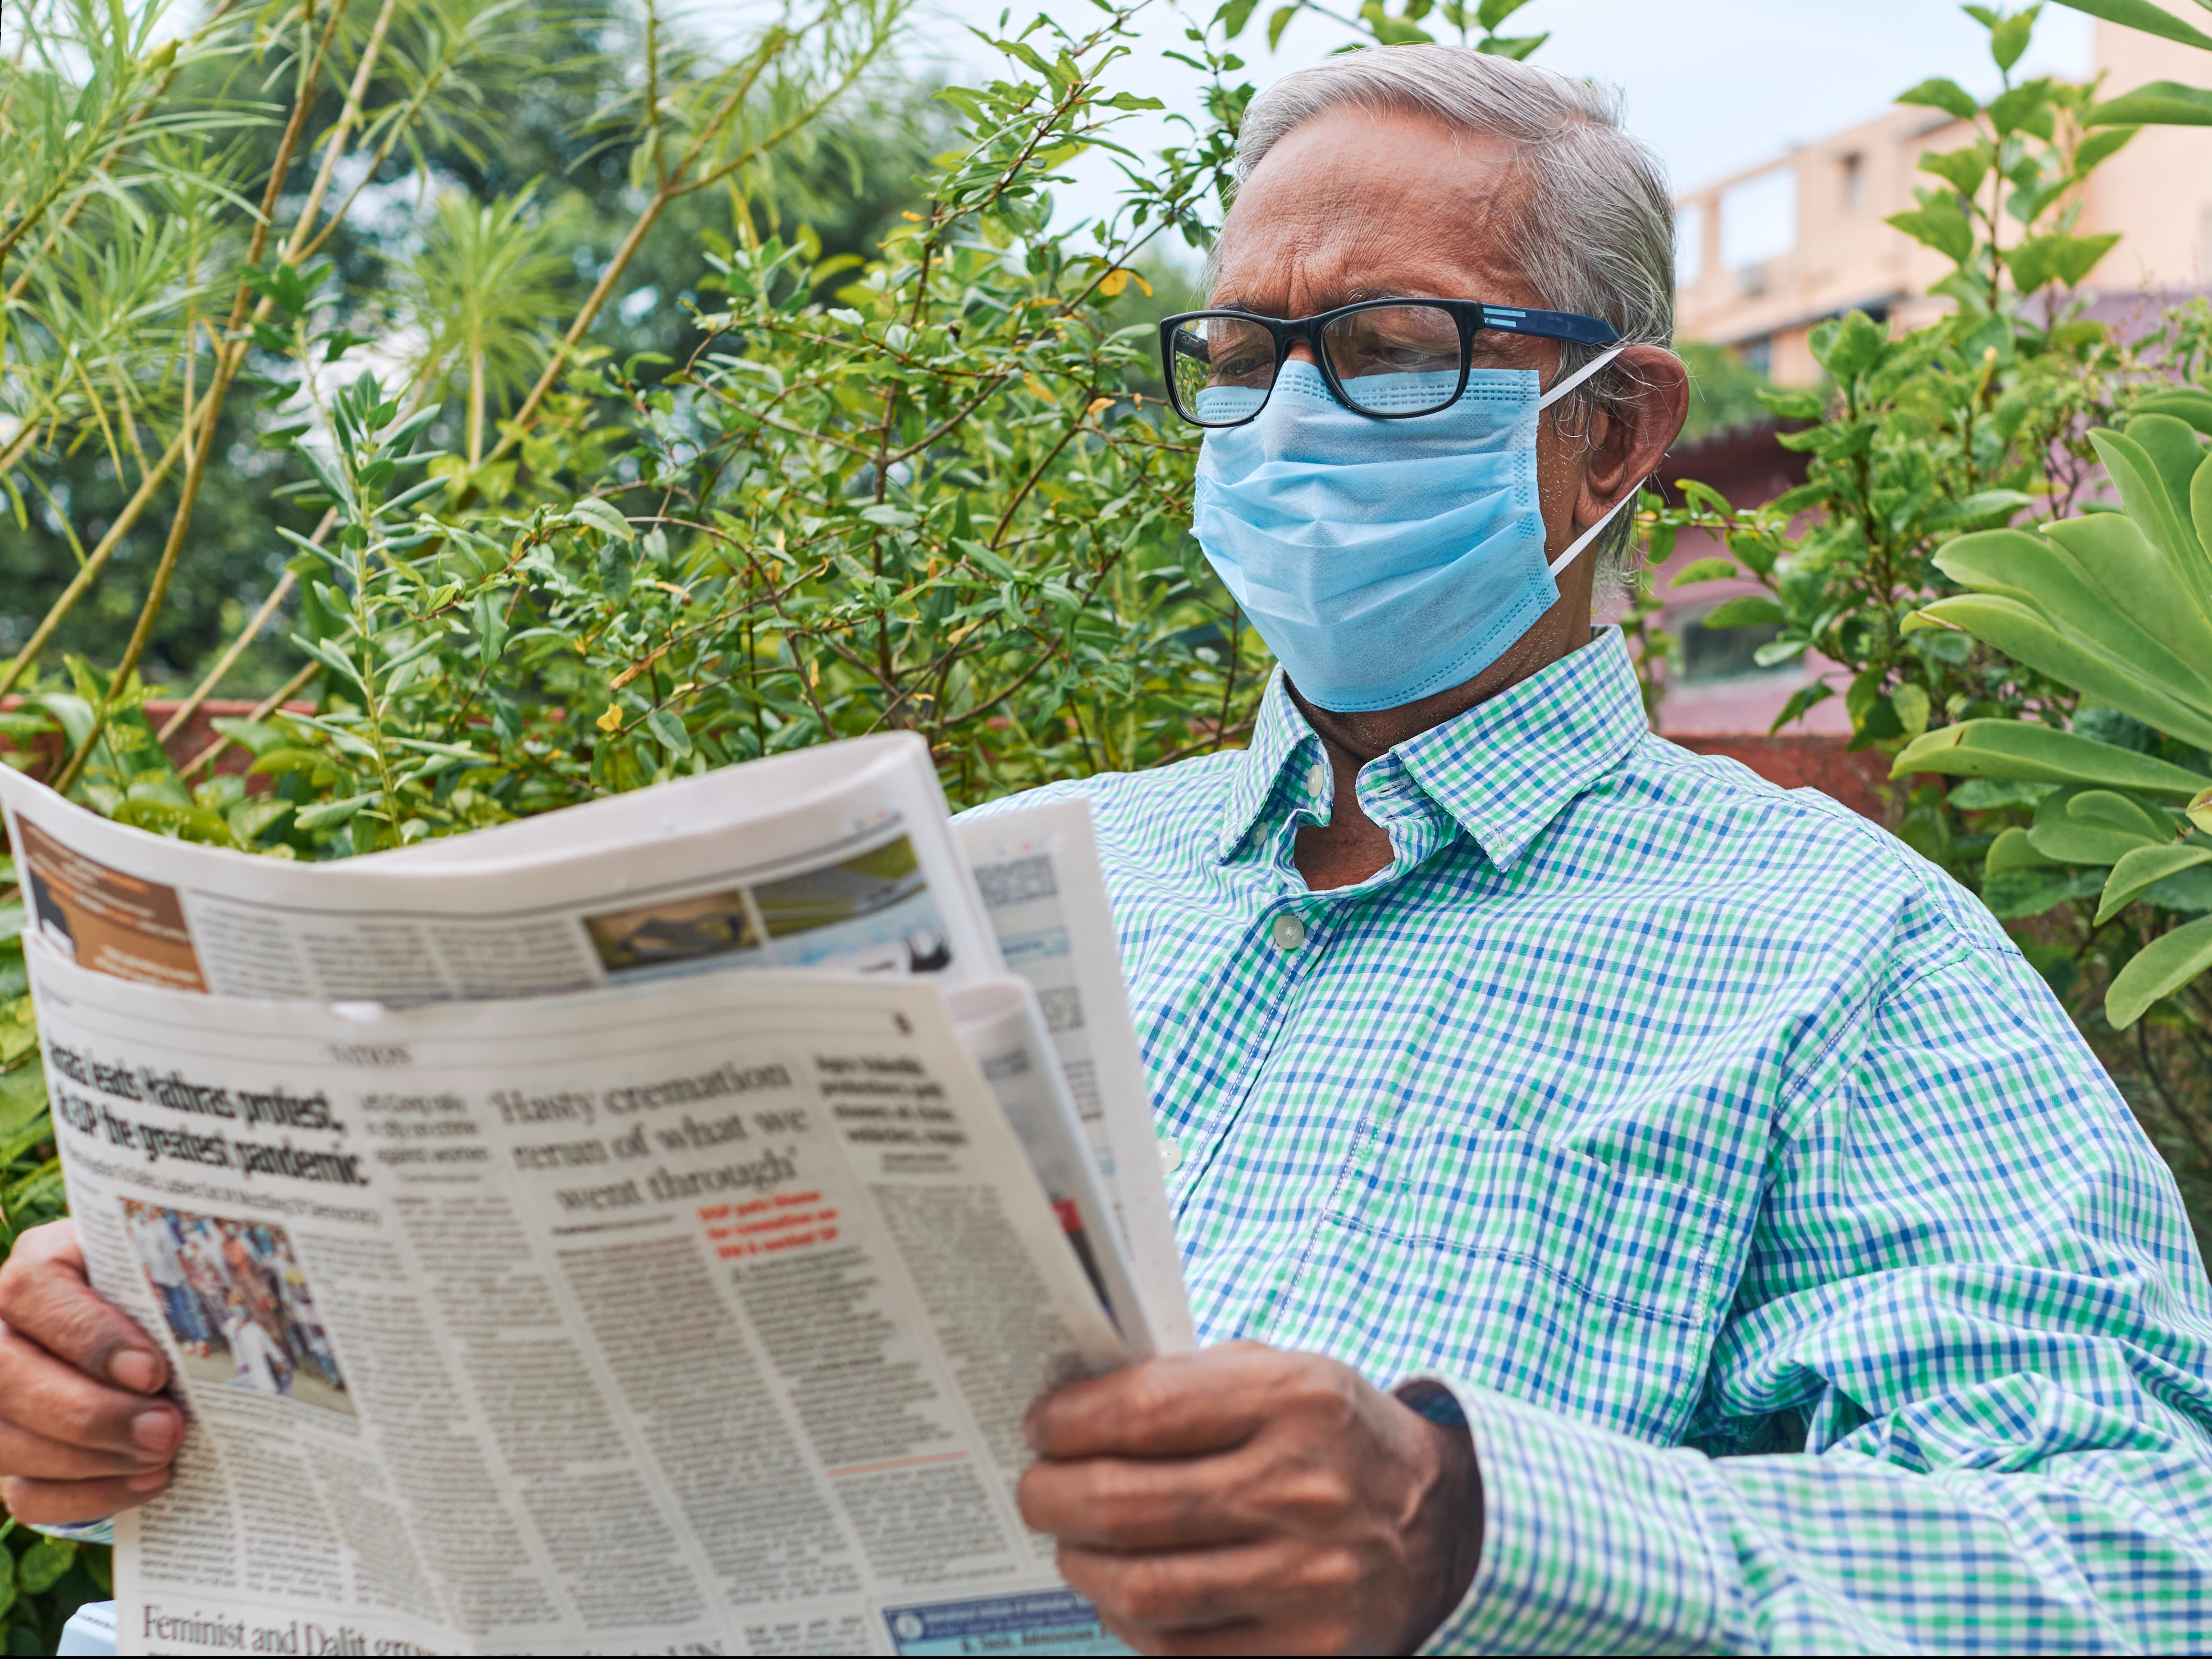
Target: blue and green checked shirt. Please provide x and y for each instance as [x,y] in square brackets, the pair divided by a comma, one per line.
[1668,1121]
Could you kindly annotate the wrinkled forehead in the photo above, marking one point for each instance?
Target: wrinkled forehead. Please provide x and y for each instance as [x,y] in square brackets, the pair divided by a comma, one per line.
[1358,203]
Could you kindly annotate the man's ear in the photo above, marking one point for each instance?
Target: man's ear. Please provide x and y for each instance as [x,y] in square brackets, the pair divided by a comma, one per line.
[1632,432]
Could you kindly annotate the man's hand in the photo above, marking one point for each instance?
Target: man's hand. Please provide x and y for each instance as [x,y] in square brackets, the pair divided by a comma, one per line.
[1244,1500]
[83,1430]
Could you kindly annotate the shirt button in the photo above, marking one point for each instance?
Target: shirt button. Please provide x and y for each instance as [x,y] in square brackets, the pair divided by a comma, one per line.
[1317,782]
[1170,1155]
[1288,932]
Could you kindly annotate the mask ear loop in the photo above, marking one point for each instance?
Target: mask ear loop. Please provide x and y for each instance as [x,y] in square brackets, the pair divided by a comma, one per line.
[1553,396]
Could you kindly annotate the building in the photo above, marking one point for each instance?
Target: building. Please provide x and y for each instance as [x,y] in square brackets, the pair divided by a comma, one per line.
[1769,253]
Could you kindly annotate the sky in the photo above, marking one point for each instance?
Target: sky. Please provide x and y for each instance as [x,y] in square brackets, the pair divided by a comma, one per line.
[1716,86]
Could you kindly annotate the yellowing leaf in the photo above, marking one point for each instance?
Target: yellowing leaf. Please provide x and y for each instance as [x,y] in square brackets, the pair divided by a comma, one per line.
[611,720]
[1097,404]
[911,218]
[1113,282]
[1037,385]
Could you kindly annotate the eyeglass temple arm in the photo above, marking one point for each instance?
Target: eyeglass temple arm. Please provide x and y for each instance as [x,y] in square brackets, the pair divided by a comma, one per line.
[1571,326]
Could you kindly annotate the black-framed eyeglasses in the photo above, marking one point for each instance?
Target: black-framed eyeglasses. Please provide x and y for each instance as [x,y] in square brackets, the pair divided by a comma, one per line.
[1390,358]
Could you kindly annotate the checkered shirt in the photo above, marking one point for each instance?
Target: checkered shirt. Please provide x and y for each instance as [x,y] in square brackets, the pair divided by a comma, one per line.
[1659,1121]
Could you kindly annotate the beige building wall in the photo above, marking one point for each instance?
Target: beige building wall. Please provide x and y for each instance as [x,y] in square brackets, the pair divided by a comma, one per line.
[1833,253]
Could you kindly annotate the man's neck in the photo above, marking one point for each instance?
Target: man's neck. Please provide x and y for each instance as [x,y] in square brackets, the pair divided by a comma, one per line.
[1352,847]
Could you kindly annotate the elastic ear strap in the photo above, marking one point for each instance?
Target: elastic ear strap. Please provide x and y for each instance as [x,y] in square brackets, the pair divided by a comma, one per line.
[1591,535]
[1580,375]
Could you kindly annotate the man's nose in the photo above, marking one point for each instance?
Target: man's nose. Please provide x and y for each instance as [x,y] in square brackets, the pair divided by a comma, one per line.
[1302,351]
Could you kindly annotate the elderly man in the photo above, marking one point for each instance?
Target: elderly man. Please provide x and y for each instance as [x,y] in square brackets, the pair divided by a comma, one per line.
[1633,1208]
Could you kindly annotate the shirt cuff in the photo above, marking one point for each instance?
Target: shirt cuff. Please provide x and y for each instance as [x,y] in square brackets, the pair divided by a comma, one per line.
[77,1532]
[1592,1542]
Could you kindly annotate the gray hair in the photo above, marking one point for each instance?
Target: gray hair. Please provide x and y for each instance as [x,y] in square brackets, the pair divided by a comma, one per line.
[1598,233]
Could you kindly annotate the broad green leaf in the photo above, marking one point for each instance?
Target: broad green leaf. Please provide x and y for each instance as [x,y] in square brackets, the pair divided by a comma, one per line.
[2043,575]
[2116,811]
[1962,169]
[668,726]
[22,1095]
[1747,610]
[1946,95]
[329,814]
[41,1566]
[2159,969]
[2189,404]
[2009,38]
[275,763]
[2028,751]
[2142,493]
[1704,570]
[1995,795]
[603,518]
[2159,104]
[1911,703]
[2073,843]
[1857,346]
[2014,850]
[2145,14]
[1941,225]
[2141,868]
[1277,23]
[1233,17]
[2028,636]
[2017,892]
[2174,453]
[2110,550]
[2060,258]
[248,820]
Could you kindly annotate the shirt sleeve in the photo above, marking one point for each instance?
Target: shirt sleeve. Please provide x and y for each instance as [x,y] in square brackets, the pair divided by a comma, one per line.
[1973,1282]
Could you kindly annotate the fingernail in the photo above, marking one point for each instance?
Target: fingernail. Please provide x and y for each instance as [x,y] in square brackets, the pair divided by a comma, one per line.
[137,1370]
[156,1431]
[152,1480]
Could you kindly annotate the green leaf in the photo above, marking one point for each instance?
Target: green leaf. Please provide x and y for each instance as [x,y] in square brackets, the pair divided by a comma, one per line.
[1857,346]
[1747,610]
[2146,15]
[2066,259]
[2116,811]
[2159,969]
[1946,95]
[1994,794]
[2024,109]
[1963,169]
[602,518]
[1792,405]
[2100,148]
[2159,104]
[1704,570]
[2025,751]
[22,1095]
[668,726]
[1233,17]
[2009,38]
[2058,833]
[330,814]
[2144,867]
[1277,23]
[1940,224]
[2191,405]
[42,1565]
[249,819]
[254,737]
[2018,892]
[179,822]
[2014,850]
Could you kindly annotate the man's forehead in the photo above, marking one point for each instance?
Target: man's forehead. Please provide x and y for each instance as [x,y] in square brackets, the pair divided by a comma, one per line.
[1366,205]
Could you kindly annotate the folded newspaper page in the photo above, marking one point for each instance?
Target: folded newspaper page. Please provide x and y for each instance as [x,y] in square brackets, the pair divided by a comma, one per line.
[696,1316]
[835,858]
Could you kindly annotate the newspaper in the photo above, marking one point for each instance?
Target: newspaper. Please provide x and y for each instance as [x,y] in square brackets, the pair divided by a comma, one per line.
[531,1282]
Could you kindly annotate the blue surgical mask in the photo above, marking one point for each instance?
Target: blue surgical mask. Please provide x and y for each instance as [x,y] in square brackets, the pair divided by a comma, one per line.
[1384,560]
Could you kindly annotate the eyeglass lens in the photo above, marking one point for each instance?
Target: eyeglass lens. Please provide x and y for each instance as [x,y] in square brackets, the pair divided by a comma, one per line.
[1389,360]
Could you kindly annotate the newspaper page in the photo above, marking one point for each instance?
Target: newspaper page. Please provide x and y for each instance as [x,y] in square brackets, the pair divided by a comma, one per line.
[840,856]
[693,1315]
[1038,872]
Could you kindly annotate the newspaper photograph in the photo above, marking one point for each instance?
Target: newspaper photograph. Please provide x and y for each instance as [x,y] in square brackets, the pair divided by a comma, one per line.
[697,1314]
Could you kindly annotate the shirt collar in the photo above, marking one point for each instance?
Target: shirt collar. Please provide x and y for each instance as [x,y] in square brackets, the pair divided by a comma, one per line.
[1503,771]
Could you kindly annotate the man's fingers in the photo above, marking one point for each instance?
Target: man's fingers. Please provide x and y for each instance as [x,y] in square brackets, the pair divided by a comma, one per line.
[28,1453]
[70,1407]
[1124,1505]
[1181,1407]
[53,1502]
[44,1295]
[1194,1593]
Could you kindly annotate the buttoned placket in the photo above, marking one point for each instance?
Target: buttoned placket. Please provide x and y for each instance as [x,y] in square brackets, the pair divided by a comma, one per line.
[1291,934]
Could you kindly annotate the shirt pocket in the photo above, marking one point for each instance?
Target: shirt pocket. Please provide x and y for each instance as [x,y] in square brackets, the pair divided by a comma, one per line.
[1532,1269]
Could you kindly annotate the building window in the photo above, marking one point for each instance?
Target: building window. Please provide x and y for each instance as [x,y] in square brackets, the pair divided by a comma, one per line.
[1711,654]
[1758,354]
[1854,183]
[1690,246]
[1759,219]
